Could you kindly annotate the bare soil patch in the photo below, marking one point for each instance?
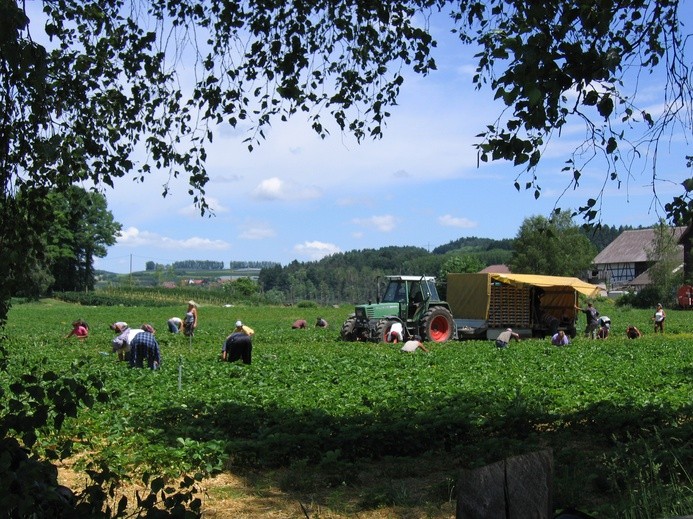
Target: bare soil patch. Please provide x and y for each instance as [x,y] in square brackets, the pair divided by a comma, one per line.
[406,489]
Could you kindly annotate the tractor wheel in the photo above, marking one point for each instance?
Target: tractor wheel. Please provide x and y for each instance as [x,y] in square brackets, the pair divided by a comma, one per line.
[437,324]
[348,332]
[382,330]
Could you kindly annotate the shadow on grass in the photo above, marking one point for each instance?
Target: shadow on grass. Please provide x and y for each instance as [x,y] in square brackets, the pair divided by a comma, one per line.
[386,453]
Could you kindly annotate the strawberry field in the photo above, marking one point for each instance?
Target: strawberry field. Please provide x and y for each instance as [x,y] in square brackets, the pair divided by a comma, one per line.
[357,428]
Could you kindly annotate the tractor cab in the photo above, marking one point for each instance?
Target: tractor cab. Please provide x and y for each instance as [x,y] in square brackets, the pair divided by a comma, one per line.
[409,292]
[410,300]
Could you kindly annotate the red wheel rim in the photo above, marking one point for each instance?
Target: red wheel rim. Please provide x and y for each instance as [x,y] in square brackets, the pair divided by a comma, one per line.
[440,329]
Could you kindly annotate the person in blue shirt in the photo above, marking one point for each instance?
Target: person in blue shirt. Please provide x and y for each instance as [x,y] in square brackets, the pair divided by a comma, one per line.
[144,347]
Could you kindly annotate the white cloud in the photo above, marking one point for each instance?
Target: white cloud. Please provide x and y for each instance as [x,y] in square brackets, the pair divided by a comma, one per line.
[315,250]
[133,237]
[226,130]
[257,232]
[215,205]
[277,189]
[453,221]
[384,223]
[195,243]
[467,70]
[227,179]
[270,189]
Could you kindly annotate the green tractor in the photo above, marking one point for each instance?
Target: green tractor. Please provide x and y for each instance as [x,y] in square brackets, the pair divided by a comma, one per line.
[410,300]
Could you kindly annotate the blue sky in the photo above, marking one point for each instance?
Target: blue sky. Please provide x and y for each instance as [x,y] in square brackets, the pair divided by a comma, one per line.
[299,197]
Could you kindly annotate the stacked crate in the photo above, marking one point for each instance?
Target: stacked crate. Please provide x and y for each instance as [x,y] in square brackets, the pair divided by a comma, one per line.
[510,306]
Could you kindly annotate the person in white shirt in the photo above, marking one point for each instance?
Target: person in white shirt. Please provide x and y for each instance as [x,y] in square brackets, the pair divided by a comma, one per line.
[505,337]
[658,318]
[413,344]
[121,344]
[395,334]
[175,324]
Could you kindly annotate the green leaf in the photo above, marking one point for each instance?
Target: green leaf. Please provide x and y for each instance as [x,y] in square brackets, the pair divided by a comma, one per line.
[157,485]
[611,145]
[605,106]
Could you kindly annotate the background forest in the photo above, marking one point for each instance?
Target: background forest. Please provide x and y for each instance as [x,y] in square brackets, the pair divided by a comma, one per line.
[351,277]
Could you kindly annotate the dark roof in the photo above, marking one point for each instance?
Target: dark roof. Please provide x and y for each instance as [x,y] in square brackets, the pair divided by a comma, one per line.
[644,278]
[686,234]
[631,246]
[640,281]
[495,269]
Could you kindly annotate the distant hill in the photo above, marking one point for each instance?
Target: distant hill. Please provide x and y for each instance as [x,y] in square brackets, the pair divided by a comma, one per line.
[604,235]
[599,236]
[473,244]
[487,250]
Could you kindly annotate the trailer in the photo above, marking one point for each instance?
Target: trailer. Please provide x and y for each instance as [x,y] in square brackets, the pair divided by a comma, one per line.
[483,305]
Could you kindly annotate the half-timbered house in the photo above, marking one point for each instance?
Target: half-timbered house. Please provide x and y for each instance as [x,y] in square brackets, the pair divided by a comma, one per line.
[626,258]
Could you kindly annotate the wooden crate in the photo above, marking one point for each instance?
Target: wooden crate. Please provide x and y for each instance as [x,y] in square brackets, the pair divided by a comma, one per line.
[510,306]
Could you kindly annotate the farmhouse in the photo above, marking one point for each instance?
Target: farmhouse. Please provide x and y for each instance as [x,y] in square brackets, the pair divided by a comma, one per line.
[626,258]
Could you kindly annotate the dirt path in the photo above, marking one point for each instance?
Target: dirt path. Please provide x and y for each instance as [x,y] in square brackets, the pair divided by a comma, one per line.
[256,495]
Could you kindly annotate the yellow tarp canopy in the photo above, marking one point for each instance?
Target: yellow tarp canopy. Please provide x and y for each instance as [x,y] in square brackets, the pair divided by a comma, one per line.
[469,295]
[548,281]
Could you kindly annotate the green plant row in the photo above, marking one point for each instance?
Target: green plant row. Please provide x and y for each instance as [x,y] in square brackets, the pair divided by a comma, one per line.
[151,297]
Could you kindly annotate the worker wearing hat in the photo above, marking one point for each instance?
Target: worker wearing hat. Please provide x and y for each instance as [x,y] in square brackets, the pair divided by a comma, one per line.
[239,344]
[242,328]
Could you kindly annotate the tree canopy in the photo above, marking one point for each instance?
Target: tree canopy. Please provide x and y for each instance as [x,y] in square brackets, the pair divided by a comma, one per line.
[92,91]
[552,246]
[81,229]
[107,80]
[75,227]
[664,257]
[604,234]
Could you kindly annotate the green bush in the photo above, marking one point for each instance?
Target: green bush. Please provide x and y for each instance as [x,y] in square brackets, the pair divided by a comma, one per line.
[648,297]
